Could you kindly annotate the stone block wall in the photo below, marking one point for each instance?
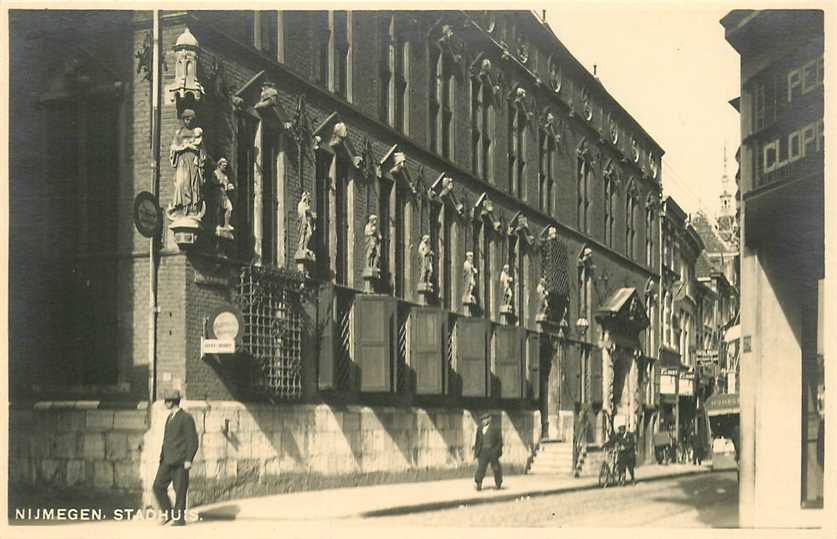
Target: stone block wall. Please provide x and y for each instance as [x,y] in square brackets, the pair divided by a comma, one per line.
[248,449]
[77,445]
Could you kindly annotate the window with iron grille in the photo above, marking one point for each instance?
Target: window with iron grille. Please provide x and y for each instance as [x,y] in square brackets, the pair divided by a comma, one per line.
[270,303]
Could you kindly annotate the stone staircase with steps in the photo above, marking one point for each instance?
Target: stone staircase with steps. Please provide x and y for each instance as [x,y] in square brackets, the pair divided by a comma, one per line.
[553,457]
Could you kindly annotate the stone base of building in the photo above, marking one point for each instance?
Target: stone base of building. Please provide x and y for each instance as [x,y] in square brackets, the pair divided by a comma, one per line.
[249,449]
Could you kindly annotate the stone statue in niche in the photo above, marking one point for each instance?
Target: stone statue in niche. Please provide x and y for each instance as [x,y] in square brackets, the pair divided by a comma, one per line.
[425,284]
[306,225]
[372,246]
[373,240]
[543,301]
[507,282]
[469,280]
[223,187]
[188,157]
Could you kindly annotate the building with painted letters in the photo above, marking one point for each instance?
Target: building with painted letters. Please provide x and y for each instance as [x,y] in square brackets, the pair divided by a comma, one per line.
[782,447]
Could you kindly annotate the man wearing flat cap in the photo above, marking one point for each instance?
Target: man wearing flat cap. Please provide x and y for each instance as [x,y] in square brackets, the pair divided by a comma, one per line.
[180,444]
[488,448]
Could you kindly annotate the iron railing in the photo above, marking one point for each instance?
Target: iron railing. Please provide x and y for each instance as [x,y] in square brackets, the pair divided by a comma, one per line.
[270,303]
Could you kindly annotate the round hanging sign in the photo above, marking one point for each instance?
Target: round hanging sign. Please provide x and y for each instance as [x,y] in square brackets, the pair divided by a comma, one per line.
[148,218]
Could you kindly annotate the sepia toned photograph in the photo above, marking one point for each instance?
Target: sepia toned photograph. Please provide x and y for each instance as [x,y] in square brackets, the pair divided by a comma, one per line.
[336,272]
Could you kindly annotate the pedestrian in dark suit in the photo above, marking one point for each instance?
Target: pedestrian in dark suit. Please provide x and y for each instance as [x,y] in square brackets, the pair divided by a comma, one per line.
[488,448]
[180,444]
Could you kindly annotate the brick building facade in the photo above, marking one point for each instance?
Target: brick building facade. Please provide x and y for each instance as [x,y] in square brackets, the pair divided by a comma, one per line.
[478,130]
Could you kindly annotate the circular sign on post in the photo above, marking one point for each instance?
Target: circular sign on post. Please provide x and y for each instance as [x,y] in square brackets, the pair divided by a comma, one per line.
[148,218]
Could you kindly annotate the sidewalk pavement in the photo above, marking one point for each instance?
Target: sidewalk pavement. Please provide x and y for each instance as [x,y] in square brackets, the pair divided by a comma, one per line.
[402,498]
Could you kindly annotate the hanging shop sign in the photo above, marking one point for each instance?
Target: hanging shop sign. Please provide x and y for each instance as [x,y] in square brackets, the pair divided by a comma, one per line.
[668,381]
[148,217]
[687,385]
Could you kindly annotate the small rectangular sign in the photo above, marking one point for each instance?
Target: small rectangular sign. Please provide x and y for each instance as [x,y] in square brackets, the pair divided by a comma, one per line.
[746,345]
[217,346]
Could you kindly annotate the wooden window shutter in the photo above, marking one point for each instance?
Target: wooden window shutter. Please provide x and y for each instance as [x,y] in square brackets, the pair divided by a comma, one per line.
[595,363]
[507,361]
[533,366]
[327,376]
[569,374]
[375,341]
[429,337]
[471,361]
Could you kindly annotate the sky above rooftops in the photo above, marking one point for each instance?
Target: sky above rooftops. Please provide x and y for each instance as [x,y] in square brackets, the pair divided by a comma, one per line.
[670,67]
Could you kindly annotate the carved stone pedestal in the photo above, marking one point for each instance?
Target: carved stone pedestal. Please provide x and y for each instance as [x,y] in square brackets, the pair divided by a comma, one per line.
[186,230]
[469,303]
[305,261]
[224,232]
[371,276]
[425,293]
[546,325]
[507,316]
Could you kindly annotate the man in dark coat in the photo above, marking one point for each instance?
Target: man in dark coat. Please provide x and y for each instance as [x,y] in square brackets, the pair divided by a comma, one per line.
[488,448]
[180,444]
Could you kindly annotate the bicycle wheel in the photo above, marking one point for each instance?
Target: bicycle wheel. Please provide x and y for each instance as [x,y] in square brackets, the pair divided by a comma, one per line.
[604,475]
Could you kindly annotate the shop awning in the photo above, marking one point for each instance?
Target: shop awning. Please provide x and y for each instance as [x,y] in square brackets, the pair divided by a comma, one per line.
[733,333]
[722,404]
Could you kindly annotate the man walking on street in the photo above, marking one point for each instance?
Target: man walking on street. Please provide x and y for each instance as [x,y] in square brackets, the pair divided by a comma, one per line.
[180,444]
[488,448]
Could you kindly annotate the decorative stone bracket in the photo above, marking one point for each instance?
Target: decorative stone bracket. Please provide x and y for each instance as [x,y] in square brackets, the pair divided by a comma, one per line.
[339,142]
[484,209]
[611,170]
[481,68]
[442,190]
[395,163]
[523,102]
[552,125]
[585,259]
[652,202]
[519,226]
[450,44]
[260,99]
[650,290]
[584,151]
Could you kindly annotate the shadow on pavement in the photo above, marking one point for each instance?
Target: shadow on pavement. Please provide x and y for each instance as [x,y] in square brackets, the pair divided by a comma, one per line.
[710,499]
